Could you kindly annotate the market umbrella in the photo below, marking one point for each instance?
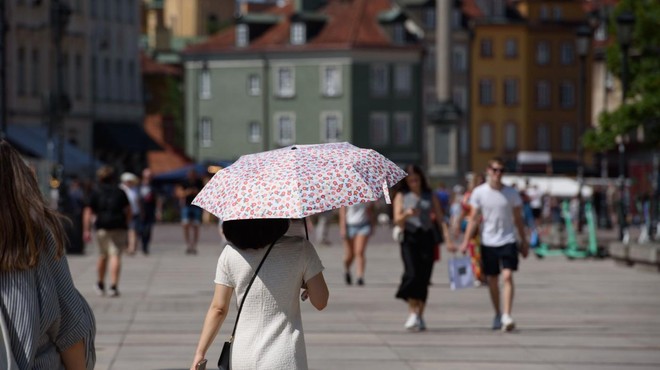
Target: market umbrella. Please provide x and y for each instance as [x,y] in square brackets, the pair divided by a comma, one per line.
[298,181]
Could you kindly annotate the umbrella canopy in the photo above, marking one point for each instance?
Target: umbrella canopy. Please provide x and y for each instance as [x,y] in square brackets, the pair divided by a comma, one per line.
[298,181]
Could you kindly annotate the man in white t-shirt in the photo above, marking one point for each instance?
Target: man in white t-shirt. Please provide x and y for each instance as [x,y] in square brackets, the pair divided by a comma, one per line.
[501,208]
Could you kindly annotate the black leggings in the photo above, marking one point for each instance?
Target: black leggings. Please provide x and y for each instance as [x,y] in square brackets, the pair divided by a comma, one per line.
[417,255]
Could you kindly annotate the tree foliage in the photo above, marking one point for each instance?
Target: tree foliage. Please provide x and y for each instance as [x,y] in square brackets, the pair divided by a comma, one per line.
[642,106]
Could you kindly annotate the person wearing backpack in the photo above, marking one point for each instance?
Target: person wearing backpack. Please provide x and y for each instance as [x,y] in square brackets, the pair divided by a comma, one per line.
[108,205]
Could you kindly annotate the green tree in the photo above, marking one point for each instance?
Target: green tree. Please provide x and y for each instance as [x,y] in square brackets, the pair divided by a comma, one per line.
[642,106]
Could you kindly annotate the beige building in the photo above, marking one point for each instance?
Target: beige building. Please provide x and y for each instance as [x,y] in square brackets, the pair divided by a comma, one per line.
[192,18]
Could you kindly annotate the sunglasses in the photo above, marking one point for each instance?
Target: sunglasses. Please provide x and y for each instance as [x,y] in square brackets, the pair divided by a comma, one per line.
[497,169]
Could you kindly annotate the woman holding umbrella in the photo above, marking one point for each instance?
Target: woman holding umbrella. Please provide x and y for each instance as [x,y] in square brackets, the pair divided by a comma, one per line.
[257,196]
[414,205]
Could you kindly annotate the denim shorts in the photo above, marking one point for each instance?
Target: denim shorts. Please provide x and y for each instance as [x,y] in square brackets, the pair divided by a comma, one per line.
[191,214]
[354,230]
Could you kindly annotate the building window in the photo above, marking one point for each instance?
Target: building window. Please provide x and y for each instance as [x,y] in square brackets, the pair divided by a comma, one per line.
[511,91]
[298,33]
[285,126]
[119,94]
[486,136]
[459,58]
[556,12]
[402,79]
[544,12]
[66,75]
[78,88]
[331,80]
[567,54]
[566,94]
[429,60]
[254,85]
[21,82]
[543,53]
[205,132]
[285,82]
[486,92]
[456,18]
[94,67]
[486,48]
[542,137]
[543,94]
[36,75]
[429,18]
[510,137]
[379,129]
[242,35]
[567,138]
[331,127]
[403,129]
[107,83]
[133,86]
[254,132]
[442,146]
[511,48]
[399,33]
[379,80]
[459,97]
[205,84]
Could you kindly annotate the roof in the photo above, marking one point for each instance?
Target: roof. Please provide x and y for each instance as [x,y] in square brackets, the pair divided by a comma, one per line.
[151,67]
[350,24]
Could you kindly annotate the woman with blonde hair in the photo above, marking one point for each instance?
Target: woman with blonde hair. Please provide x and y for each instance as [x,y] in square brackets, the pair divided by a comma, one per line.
[49,325]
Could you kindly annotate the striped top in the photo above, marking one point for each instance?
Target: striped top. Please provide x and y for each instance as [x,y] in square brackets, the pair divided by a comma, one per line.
[45,314]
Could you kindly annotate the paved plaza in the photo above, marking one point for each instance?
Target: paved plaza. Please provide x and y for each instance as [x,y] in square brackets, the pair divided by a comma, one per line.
[582,315]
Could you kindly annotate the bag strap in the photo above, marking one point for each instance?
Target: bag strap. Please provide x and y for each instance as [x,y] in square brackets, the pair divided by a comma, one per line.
[240,308]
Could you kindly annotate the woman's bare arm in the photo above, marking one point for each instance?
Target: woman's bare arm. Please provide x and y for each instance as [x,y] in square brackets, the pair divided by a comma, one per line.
[318,292]
[73,357]
[215,316]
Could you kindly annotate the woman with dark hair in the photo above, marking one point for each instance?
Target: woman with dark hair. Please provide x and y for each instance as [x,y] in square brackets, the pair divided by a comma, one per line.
[269,334]
[49,325]
[414,206]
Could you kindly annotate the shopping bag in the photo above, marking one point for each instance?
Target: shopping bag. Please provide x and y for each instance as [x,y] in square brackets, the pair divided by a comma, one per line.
[460,273]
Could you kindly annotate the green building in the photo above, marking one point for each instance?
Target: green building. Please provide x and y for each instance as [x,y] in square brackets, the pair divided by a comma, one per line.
[307,72]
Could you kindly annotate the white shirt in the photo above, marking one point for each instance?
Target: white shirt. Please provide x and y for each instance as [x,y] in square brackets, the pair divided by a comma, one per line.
[535,197]
[496,206]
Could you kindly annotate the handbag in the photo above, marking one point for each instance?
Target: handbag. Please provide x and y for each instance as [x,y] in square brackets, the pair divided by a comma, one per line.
[7,360]
[225,354]
[460,273]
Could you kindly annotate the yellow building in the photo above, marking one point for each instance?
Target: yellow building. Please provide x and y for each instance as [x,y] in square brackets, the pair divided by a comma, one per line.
[525,82]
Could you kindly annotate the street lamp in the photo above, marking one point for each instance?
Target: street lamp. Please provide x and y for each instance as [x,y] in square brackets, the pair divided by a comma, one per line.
[625,23]
[582,45]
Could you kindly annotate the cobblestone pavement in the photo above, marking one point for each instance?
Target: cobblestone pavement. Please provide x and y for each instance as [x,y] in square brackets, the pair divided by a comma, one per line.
[582,314]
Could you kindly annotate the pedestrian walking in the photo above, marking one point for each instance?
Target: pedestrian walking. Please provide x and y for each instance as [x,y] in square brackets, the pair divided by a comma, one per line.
[191,215]
[321,227]
[129,183]
[414,205]
[501,208]
[44,321]
[149,208]
[109,210]
[356,225]
[269,333]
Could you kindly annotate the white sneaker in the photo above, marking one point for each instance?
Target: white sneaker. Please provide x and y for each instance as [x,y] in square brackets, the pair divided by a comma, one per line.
[413,322]
[507,323]
[497,322]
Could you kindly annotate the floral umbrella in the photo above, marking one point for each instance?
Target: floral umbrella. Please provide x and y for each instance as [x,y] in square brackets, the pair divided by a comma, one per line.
[298,181]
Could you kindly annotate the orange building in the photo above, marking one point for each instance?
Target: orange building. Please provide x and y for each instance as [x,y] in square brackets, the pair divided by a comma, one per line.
[525,76]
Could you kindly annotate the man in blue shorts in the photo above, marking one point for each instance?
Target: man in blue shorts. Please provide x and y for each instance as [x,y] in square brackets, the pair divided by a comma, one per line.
[191,216]
[501,208]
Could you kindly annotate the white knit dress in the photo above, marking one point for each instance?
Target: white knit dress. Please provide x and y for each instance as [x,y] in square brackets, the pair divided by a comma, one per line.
[269,333]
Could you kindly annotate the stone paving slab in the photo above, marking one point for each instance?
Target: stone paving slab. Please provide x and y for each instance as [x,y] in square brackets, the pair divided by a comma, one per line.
[582,314]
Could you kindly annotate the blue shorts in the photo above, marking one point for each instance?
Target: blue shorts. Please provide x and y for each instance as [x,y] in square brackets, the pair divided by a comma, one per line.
[354,230]
[191,214]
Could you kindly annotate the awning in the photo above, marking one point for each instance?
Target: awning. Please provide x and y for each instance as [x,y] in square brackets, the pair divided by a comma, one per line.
[33,141]
[123,136]
[203,168]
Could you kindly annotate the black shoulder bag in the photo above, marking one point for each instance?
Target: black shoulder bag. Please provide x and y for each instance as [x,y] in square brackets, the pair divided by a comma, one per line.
[223,361]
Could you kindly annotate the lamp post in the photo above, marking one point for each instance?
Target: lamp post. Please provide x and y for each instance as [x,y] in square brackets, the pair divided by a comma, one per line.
[625,23]
[582,45]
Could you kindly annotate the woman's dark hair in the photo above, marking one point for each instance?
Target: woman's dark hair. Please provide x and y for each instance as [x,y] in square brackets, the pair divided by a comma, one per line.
[414,169]
[256,233]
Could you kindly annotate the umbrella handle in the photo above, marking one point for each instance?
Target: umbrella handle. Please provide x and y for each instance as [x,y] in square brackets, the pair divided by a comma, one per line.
[305,224]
